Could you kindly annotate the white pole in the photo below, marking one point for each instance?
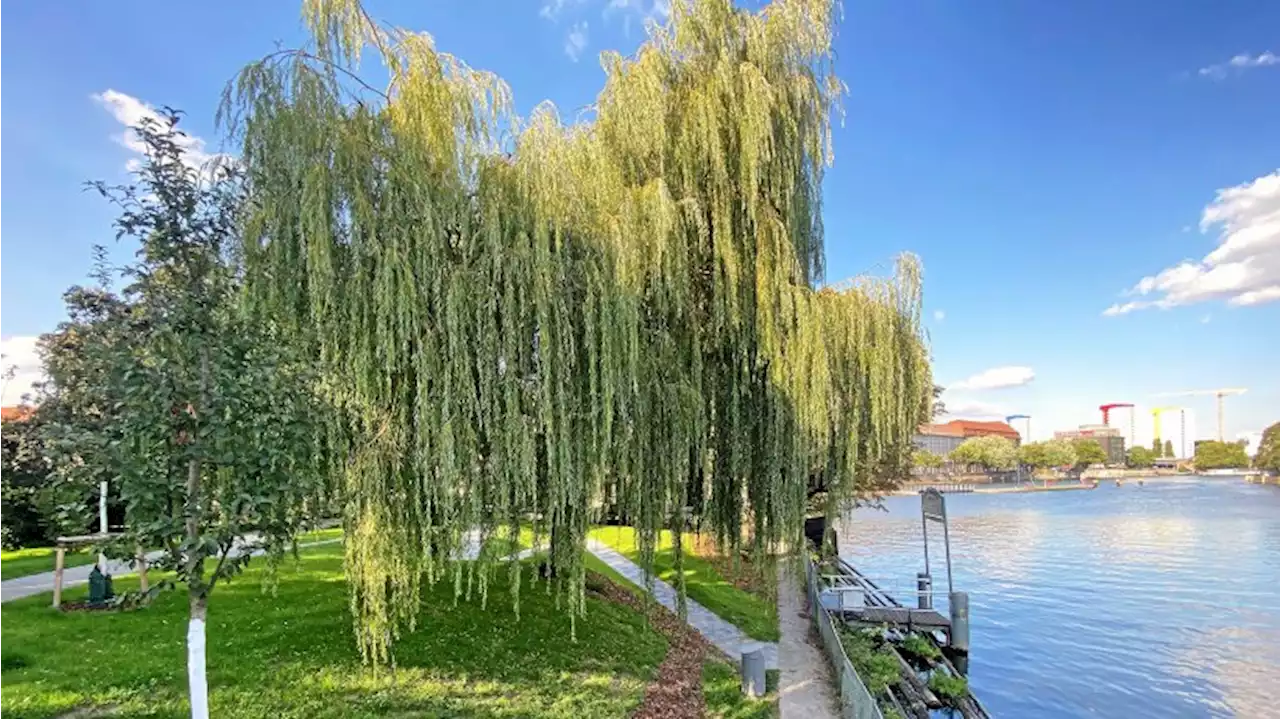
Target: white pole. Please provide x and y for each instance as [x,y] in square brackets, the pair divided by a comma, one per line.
[197,685]
[102,522]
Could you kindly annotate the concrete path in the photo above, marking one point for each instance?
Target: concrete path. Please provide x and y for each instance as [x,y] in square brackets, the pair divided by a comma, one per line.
[805,688]
[471,546]
[727,637]
[12,589]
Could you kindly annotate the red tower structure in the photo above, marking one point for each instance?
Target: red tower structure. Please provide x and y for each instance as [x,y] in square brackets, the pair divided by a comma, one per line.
[1106,416]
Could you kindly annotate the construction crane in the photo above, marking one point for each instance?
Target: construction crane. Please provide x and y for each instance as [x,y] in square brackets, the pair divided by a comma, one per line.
[1155,420]
[1009,420]
[1106,416]
[1217,393]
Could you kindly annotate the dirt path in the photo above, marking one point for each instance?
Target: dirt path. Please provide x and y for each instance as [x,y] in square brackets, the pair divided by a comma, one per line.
[805,687]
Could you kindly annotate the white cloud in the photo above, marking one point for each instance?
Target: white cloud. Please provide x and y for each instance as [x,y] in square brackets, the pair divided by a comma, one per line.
[576,41]
[131,112]
[643,10]
[997,378]
[1239,63]
[973,409]
[20,356]
[551,9]
[1245,267]
[939,315]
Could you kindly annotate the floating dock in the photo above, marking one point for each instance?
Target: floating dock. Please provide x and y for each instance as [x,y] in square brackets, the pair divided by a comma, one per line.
[862,622]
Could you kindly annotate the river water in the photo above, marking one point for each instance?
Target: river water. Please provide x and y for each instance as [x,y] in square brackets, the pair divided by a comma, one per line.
[1160,600]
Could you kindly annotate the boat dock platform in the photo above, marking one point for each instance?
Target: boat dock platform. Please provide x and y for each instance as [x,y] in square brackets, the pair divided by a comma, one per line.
[853,597]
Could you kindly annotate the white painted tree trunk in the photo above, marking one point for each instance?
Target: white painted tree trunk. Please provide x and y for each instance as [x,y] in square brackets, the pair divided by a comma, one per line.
[197,685]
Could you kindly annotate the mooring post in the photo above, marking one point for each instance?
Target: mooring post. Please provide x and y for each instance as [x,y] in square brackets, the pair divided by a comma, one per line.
[753,671]
[924,590]
[960,621]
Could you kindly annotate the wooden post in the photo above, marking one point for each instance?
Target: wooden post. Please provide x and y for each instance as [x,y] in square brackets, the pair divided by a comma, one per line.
[59,562]
[142,569]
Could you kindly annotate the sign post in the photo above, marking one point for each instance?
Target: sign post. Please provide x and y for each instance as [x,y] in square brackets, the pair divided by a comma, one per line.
[933,507]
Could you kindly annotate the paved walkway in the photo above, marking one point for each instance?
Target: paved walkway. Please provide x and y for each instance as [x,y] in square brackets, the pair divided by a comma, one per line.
[12,589]
[727,637]
[804,684]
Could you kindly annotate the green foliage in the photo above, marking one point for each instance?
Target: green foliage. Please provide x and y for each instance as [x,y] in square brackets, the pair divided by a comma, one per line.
[1168,448]
[1212,454]
[1268,456]
[1049,453]
[927,459]
[193,412]
[989,451]
[872,659]
[514,317]
[1157,449]
[26,498]
[1139,457]
[77,411]
[1087,452]
[291,655]
[948,687]
[920,646]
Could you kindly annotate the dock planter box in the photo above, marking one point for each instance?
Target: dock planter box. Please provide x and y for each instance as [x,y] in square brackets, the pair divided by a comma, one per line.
[855,701]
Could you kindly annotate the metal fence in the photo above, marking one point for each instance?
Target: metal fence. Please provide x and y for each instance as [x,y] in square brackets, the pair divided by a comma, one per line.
[855,701]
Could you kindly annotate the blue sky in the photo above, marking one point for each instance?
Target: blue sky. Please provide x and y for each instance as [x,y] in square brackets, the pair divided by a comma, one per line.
[1042,159]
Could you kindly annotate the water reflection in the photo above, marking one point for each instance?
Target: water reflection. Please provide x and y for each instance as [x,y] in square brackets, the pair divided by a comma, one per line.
[1119,602]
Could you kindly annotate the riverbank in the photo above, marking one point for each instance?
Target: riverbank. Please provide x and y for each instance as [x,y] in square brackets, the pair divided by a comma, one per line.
[1058,487]
[965,488]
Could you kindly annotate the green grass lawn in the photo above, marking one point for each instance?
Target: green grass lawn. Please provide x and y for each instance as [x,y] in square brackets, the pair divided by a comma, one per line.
[722,693]
[320,535]
[293,655]
[35,560]
[754,613]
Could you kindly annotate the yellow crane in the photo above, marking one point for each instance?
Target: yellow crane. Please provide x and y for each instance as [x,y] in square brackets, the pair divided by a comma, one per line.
[1216,393]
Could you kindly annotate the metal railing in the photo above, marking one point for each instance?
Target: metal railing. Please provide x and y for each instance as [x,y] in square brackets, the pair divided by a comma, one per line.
[855,701]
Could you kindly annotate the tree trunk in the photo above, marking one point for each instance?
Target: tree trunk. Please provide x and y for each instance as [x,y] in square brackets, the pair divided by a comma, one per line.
[197,686]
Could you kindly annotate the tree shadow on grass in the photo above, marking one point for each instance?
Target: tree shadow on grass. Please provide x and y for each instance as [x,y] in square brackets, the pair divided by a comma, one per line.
[293,654]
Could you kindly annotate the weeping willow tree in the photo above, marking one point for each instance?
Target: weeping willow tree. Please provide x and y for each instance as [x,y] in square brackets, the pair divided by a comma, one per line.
[517,317]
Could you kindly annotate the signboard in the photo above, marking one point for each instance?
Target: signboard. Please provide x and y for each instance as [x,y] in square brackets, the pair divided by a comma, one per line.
[932,505]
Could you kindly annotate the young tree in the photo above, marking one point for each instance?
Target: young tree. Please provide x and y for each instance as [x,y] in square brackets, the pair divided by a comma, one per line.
[1088,452]
[1048,454]
[925,459]
[24,479]
[77,408]
[1031,454]
[991,452]
[204,420]
[1139,457]
[1212,454]
[1157,449]
[1268,456]
[1168,448]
